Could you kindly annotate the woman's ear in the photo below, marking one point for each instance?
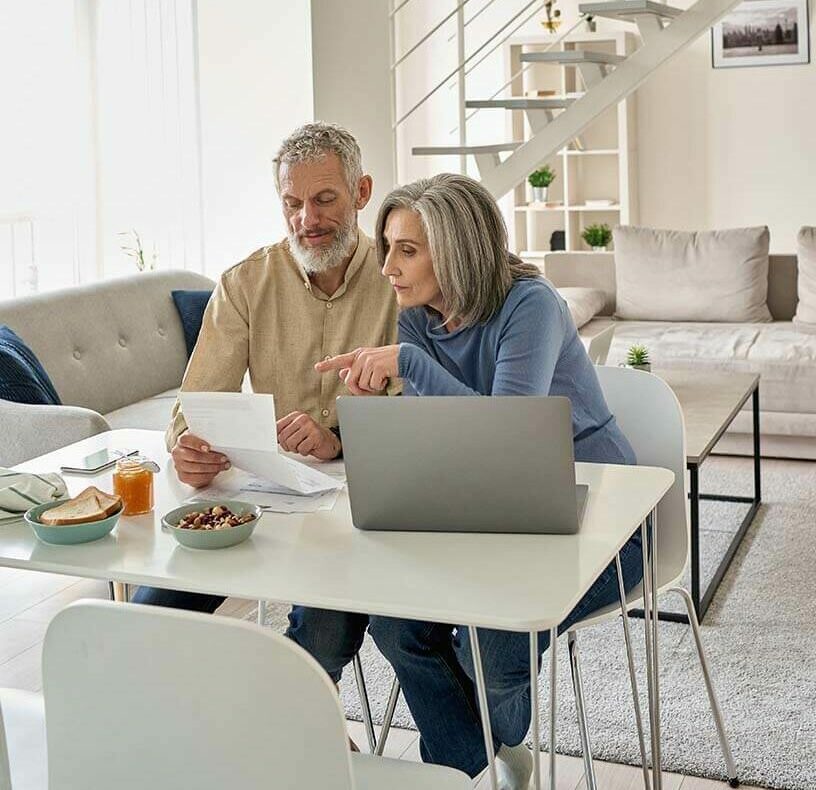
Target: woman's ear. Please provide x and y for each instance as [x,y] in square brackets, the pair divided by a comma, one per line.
[364,189]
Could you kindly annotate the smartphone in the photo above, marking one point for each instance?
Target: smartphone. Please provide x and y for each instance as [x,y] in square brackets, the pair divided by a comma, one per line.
[97,462]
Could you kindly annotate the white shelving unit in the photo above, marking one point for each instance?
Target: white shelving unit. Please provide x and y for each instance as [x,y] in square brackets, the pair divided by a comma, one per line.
[599,165]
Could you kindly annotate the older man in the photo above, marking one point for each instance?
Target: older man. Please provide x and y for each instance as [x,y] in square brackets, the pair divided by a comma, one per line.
[288,305]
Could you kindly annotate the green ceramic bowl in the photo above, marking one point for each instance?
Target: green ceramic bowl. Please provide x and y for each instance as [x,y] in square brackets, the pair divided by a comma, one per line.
[212,538]
[69,534]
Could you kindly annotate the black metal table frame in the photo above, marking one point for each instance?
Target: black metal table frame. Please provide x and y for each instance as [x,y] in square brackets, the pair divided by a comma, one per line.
[702,602]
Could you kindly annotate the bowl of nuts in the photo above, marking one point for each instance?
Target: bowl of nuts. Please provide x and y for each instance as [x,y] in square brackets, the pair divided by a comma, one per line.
[212,525]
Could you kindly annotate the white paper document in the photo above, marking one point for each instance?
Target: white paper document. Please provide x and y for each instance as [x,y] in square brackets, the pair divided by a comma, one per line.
[242,426]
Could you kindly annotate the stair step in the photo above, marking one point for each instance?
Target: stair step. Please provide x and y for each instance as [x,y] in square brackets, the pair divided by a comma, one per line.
[555,103]
[628,9]
[447,150]
[572,57]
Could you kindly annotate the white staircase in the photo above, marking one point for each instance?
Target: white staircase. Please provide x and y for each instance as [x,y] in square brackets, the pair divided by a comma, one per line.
[608,79]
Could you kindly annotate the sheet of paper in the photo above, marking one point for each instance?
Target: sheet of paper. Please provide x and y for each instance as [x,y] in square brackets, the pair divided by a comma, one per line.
[242,426]
[248,488]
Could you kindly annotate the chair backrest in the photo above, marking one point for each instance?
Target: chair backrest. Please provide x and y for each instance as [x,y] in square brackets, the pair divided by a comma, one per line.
[142,697]
[649,414]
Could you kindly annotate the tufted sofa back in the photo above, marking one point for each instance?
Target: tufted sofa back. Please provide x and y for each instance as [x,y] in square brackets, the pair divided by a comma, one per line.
[108,344]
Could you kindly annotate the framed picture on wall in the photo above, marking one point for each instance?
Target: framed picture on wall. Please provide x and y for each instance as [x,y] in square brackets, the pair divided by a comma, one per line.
[762,33]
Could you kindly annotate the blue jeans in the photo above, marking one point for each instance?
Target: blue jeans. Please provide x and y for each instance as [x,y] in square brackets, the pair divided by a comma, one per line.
[435,668]
[332,638]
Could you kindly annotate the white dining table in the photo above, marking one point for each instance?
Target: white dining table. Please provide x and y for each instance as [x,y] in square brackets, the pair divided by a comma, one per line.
[516,582]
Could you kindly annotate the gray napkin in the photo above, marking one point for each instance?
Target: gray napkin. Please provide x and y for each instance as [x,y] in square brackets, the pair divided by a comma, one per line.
[20,491]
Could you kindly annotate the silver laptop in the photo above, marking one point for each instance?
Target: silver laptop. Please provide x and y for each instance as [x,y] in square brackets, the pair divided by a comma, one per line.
[461,464]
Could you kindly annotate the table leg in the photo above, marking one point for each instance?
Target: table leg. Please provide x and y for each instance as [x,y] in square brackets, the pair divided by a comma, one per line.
[648,631]
[261,613]
[534,719]
[654,584]
[120,592]
[481,689]
[553,702]
[694,503]
[627,638]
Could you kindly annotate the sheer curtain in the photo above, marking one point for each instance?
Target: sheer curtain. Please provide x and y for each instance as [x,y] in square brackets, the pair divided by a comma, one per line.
[99,136]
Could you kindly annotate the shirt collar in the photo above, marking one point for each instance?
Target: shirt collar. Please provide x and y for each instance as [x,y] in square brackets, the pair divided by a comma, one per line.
[357,260]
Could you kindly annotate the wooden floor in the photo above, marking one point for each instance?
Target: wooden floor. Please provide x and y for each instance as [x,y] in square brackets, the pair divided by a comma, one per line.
[29,600]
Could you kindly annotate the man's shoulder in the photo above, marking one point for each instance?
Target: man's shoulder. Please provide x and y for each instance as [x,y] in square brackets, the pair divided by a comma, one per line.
[258,262]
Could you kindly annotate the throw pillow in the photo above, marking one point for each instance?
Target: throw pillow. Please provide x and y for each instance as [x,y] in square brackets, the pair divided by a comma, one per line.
[583,303]
[191,306]
[668,275]
[805,317]
[22,378]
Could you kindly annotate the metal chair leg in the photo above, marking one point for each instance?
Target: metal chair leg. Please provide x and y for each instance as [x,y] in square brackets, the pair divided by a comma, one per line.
[627,638]
[364,703]
[389,717]
[716,711]
[580,705]
[261,613]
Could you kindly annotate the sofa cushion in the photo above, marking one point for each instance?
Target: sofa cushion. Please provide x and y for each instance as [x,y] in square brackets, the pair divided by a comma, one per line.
[191,306]
[22,378]
[151,414]
[667,275]
[583,303]
[805,317]
[784,357]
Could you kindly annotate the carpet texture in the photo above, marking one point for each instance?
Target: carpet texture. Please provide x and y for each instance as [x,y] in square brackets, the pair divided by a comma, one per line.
[760,635]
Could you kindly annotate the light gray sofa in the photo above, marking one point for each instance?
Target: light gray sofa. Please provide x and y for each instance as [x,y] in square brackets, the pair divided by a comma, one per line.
[784,356]
[114,351]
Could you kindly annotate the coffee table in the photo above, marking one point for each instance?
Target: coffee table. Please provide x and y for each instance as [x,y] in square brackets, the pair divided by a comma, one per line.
[710,402]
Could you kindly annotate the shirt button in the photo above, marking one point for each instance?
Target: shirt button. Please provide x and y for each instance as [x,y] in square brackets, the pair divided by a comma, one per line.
[325,412]
[307,286]
[122,342]
[77,355]
[329,305]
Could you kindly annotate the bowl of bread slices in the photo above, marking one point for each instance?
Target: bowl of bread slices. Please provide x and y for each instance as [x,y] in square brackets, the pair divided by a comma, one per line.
[89,516]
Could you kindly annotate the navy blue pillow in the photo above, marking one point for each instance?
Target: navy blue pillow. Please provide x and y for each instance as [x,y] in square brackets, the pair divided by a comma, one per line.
[191,306]
[22,378]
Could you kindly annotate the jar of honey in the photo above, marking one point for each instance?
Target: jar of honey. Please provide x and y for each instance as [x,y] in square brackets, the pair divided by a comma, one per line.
[133,481]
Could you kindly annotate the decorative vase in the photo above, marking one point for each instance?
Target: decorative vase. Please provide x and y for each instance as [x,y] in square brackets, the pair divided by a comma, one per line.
[540,194]
[599,249]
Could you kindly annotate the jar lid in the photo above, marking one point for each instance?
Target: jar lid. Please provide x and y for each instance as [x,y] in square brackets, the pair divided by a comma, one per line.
[135,463]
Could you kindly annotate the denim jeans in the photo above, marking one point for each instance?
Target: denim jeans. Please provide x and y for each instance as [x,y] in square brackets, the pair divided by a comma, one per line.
[332,638]
[434,665]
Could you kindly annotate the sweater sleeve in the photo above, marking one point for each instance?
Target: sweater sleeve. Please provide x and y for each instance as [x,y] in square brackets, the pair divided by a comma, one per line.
[527,351]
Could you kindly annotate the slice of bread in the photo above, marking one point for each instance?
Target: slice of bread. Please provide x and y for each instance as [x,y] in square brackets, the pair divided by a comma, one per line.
[91,505]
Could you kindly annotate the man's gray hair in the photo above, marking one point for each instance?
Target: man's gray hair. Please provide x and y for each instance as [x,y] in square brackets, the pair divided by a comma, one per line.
[311,143]
[467,239]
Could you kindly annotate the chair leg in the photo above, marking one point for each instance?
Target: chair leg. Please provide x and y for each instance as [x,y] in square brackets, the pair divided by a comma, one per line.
[261,620]
[364,703]
[389,717]
[627,638]
[580,705]
[716,712]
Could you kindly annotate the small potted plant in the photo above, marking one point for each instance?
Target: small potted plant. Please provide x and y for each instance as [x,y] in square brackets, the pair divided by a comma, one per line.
[597,237]
[638,357]
[539,180]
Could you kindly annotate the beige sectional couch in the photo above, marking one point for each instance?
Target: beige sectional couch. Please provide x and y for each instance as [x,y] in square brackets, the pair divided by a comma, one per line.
[783,354]
[114,351]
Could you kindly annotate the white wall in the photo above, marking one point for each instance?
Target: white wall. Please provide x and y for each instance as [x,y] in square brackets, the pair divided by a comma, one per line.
[256,87]
[728,147]
[352,86]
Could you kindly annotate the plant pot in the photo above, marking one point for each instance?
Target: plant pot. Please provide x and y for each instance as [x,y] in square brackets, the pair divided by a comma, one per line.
[540,194]
[647,367]
[599,249]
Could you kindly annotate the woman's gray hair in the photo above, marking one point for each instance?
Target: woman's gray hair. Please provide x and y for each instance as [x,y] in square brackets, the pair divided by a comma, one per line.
[311,143]
[467,239]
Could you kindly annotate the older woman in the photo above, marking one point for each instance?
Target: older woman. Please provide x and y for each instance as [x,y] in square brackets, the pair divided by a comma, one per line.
[476,320]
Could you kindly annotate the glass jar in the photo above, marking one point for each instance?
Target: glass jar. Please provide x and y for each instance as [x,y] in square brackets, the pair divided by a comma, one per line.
[133,481]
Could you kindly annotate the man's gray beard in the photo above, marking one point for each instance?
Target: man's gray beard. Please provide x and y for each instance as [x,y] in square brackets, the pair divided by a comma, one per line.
[321,259]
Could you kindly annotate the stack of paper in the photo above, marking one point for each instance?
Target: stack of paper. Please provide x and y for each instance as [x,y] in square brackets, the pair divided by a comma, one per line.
[243,427]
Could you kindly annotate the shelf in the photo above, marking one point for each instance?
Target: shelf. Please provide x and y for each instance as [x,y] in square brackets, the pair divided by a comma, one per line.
[533,207]
[591,152]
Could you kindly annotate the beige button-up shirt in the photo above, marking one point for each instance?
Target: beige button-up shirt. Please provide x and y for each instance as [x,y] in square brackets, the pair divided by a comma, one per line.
[265,316]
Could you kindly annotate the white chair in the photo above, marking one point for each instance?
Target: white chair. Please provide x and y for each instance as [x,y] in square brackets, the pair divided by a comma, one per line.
[137,696]
[648,413]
